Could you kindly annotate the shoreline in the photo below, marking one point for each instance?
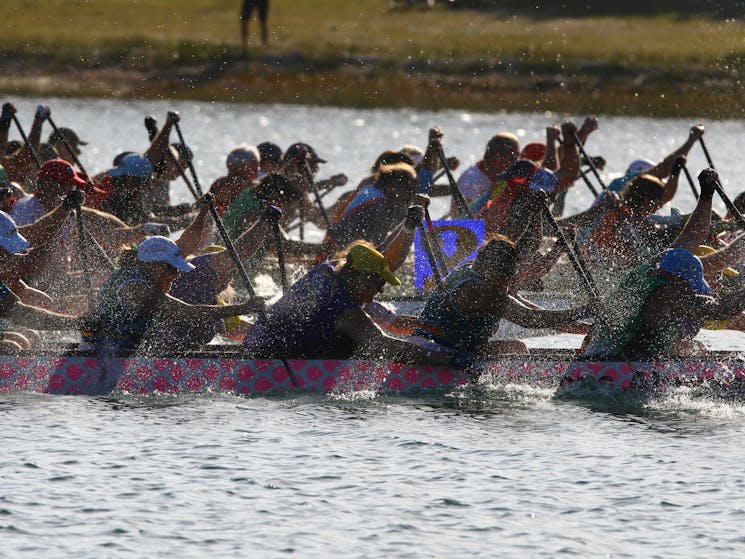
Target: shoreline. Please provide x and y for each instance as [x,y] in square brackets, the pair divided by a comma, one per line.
[591,87]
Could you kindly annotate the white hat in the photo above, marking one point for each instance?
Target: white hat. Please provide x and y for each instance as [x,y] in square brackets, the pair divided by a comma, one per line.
[10,239]
[163,249]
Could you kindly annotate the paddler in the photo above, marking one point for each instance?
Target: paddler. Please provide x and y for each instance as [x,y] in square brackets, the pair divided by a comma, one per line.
[12,245]
[136,294]
[660,305]
[321,316]
[463,313]
[209,284]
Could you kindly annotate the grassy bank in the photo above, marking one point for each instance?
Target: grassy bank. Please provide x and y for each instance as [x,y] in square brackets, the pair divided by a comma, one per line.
[362,53]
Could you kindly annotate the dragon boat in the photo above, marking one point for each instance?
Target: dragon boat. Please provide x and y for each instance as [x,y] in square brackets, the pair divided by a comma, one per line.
[221,371]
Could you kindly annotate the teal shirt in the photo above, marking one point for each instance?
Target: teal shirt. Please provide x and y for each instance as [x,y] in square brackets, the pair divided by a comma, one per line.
[442,322]
[246,201]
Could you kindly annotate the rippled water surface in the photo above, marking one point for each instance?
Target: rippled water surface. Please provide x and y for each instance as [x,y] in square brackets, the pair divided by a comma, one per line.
[500,472]
[508,472]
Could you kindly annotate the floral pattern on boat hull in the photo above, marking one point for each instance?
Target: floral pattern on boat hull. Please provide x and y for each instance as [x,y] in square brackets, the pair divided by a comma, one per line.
[141,375]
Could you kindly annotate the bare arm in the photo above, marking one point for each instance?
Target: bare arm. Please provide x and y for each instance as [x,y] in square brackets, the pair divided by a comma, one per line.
[664,167]
[550,160]
[189,240]
[696,229]
[44,229]
[568,171]
[34,317]
[373,343]
[159,148]
[521,314]
[133,296]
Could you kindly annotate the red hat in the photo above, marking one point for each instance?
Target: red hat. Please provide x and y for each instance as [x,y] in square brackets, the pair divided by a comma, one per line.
[61,172]
[535,151]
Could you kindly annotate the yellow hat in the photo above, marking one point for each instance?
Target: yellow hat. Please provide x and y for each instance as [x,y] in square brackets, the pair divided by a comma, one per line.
[704,250]
[365,259]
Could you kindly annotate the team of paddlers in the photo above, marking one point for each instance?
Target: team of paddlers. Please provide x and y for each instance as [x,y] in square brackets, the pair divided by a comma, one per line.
[95,254]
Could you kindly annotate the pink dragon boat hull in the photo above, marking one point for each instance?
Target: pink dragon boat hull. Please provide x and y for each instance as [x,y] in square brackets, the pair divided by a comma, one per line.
[80,374]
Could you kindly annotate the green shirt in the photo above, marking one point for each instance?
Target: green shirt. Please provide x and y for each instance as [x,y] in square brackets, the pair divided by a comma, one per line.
[246,201]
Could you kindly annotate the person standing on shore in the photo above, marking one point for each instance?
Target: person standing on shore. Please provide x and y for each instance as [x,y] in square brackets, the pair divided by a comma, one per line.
[248,8]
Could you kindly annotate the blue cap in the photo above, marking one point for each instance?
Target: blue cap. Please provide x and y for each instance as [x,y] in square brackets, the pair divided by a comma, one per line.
[133,165]
[687,266]
[543,179]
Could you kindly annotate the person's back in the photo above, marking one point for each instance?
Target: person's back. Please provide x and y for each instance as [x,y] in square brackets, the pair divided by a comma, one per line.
[302,324]
[380,208]
[443,322]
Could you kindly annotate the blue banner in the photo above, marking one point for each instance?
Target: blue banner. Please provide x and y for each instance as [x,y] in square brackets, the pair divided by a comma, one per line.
[459,240]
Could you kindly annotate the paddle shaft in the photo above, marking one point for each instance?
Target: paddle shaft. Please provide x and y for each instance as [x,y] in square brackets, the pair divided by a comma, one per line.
[26,141]
[690,182]
[68,147]
[435,241]
[578,263]
[280,255]
[589,184]
[460,201]
[730,206]
[195,189]
[718,187]
[83,232]
[309,177]
[430,254]
[706,152]
[152,130]
[234,255]
[588,160]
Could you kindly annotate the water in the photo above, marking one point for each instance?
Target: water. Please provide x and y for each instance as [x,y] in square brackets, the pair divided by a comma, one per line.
[489,472]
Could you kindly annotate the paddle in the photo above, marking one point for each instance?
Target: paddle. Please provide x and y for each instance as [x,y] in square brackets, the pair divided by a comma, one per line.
[718,187]
[638,246]
[26,141]
[576,259]
[210,201]
[81,226]
[437,250]
[706,152]
[460,201]
[309,177]
[152,129]
[690,182]
[589,184]
[280,254]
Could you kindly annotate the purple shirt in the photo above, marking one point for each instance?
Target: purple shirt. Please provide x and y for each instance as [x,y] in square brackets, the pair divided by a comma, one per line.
[303,322]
